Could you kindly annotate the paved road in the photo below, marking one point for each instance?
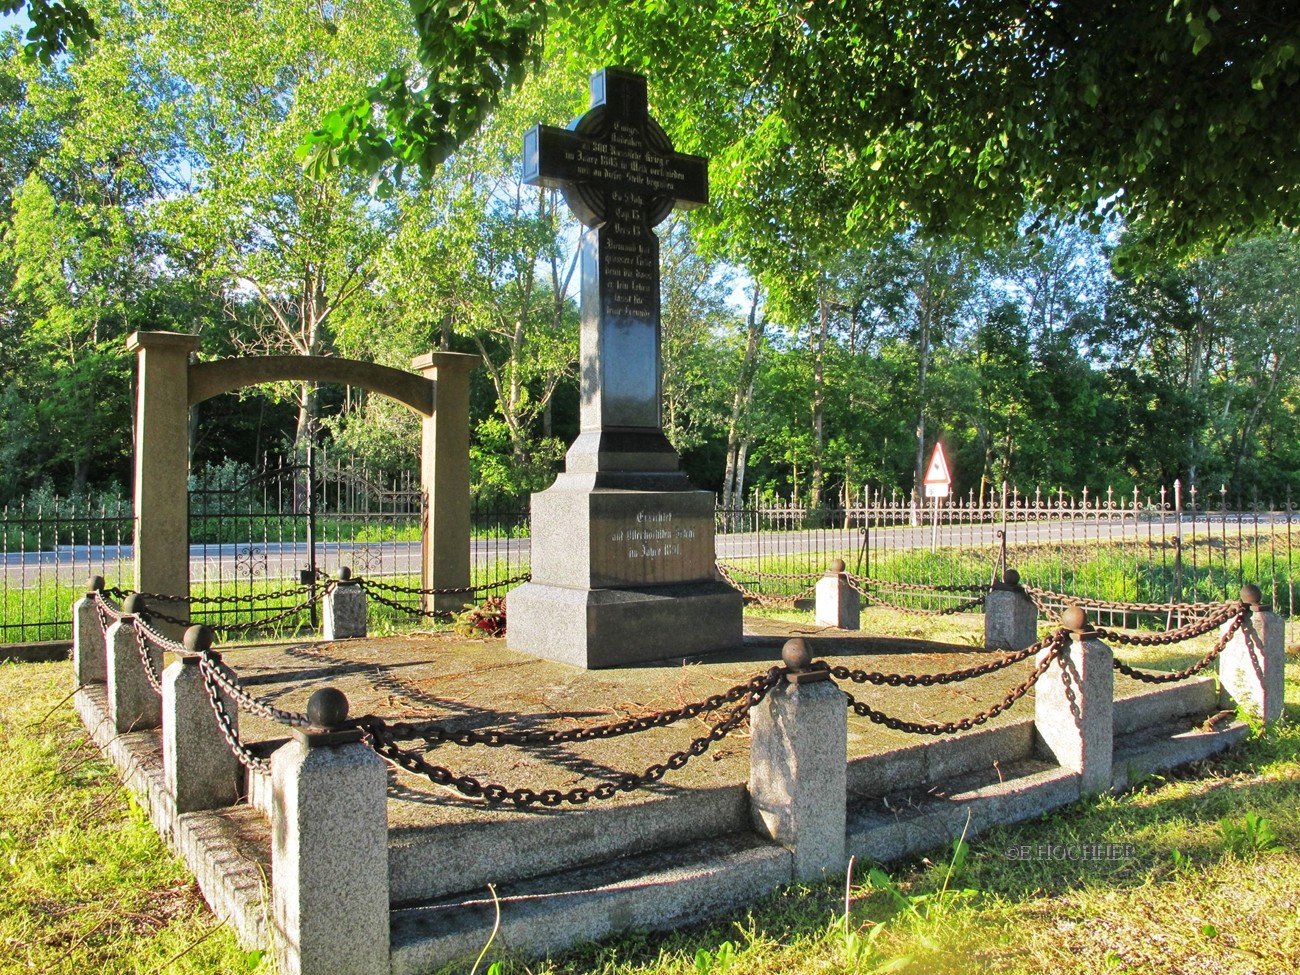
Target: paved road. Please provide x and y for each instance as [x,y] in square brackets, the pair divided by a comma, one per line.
[71,565]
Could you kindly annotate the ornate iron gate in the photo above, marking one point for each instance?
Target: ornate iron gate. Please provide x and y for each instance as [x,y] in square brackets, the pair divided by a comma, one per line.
[257,534]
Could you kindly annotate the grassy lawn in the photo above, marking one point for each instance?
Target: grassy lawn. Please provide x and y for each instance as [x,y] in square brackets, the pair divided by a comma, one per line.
[1201,875]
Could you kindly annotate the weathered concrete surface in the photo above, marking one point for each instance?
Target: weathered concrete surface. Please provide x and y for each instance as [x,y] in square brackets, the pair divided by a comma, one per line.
[199,768]
[1252,664]
[797,774]
[343,612]
[329,852]
[838,603]
[1010,619]
[652,892]
[1074,711]
[133,704]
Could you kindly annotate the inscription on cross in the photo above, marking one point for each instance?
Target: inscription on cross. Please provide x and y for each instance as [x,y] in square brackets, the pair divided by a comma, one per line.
[621,177]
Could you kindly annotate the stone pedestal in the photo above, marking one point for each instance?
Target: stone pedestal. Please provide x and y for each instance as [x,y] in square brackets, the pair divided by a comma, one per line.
[329,859]
[1010,617]
[622,576]
[199,769]
[87,643]
[798,774]
[838,603]
[133,704]
[343,611]
[1074,711]
[1251,667]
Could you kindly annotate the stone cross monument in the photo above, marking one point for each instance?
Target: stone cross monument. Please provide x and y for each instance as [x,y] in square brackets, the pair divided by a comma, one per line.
[622,546]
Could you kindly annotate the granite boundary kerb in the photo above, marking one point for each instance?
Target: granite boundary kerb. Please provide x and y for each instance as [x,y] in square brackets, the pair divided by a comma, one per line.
[709,800]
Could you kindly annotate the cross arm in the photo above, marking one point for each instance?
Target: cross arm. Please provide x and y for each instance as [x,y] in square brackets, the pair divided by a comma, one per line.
[550,157]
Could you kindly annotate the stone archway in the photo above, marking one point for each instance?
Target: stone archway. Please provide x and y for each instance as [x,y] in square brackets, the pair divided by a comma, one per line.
[169,384]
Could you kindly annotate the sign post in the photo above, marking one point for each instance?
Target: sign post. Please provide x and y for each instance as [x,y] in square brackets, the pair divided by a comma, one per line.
[938,484]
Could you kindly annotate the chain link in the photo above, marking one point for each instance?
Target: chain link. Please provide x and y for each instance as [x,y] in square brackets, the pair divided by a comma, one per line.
[143,637]
[763,599]
[225,721]
[228,680]
[1059,641]
[1150,677]
[919,587]
[1042,597]
[259,597]
[434,733]
[463,590]
[1179,635]
[466,785]
[432,614]
[951,677]
[962,607]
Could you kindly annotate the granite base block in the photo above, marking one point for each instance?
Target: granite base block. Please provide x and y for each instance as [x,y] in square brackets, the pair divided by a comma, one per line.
[596,628]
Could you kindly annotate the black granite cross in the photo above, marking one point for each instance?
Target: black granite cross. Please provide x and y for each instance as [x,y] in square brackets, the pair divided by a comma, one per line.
[620,175]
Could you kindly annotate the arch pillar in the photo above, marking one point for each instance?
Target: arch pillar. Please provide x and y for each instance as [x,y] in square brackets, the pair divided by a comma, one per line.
[444,476]
[162,441]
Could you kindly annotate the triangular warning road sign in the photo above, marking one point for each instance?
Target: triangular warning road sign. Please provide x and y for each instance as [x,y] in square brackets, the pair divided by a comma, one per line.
[938,471]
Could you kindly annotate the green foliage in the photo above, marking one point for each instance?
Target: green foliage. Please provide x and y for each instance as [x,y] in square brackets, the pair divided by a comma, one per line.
[1252,836]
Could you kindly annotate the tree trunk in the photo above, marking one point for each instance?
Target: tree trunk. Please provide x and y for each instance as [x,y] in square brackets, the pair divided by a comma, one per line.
[732,483]
[922,368]
[819,395]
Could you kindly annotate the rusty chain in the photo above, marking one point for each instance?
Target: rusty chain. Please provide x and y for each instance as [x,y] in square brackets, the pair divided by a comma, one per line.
[225,721]
[918,587]
[776,576]
[433,614]
[763,599]
[1150,677]
[228,680]
[1057,645]
[461,591]
[522,798]
[316,594]
[951,677]
[1041,598]
[257,597]
[435,733]
[963,607]
[1179,635]
[145,635]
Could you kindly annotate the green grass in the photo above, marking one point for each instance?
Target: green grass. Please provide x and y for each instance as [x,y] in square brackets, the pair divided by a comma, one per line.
[49,608]
[1210,884]
[85,884]
[1135,571]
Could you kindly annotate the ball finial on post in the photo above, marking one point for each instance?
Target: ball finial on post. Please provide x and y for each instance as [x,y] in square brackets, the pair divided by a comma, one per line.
[345,573]
[96,584]
[836,567]
[327,709]
[198,639]
[1075,619]
[796,655]
[1252,596]
[1011,577]
[134,605]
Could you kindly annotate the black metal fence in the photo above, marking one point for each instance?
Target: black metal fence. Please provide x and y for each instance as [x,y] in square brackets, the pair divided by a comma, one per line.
[254,533]
[48,553]
[1170,546]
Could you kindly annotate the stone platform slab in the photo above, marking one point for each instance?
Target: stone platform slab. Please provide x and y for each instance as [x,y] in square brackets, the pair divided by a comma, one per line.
[679,849]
